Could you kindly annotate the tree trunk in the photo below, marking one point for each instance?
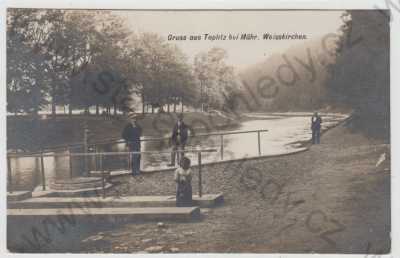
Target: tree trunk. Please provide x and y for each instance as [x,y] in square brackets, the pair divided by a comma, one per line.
[201,95]
[152,109]
[174,106]
[115,109]
[168,108]
[97,109]
[70,110]
[53,101]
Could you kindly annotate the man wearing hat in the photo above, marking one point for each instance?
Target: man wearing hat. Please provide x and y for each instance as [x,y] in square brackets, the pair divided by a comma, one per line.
[178,139]
[131,134]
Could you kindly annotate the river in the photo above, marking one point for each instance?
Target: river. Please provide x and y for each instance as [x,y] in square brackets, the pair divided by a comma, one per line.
[285,133]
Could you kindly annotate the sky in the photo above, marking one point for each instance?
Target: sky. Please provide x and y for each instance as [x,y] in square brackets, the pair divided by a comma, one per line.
[241,53]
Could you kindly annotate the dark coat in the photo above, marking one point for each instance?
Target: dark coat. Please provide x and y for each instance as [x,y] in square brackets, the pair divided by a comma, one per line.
[131,134]
[184,192]
[316,123]
[179,134]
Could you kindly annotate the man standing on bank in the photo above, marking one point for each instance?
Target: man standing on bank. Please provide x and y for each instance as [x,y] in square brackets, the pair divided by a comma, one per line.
[178,139]
[316,122]
[131,134]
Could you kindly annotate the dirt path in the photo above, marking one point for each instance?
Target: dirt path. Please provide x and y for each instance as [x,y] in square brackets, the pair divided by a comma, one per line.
[330,199]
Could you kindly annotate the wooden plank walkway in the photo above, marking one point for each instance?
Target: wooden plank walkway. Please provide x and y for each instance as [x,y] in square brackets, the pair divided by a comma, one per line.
[94,215]
[18,196]
[207,200]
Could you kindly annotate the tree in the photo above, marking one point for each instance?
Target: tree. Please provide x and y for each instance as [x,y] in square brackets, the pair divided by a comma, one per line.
[216,79]
[159,71]
[26,90]
[360,76]
[83,59]
[110,61]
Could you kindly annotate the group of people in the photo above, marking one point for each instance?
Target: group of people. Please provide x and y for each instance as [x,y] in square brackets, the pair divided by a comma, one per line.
[132,133]
[180,132]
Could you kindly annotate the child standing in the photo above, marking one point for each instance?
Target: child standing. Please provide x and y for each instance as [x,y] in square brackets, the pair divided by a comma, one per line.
[183,179]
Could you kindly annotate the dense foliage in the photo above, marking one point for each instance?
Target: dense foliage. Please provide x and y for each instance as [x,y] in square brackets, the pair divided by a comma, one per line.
[82,59]
[360,76]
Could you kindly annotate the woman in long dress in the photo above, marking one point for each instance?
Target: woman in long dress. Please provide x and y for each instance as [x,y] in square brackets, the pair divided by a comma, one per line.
[183,179]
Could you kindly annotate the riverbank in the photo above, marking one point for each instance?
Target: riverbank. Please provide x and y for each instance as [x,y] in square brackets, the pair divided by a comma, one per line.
[28,133]
[330,199]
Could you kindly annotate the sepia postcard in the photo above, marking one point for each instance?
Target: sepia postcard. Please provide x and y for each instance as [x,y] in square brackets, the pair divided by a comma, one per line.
[198,131]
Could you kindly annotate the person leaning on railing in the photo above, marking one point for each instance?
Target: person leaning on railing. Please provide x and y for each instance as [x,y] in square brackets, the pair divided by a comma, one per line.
[178,140]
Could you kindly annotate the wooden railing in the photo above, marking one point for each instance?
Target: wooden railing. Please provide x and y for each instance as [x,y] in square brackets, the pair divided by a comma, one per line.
[101,156]
[98,154]
[143,139]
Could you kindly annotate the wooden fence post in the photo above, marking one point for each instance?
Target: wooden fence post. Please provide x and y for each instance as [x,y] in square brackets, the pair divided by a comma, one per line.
[130,163]
[95,158]
[200,180]
[10,190]
[103,183]
[42,171]
[222,147]
[70,162]
[86,148]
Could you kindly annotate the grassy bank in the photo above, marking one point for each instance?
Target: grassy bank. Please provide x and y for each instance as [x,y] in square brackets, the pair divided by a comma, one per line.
[28,133]
[330,199]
